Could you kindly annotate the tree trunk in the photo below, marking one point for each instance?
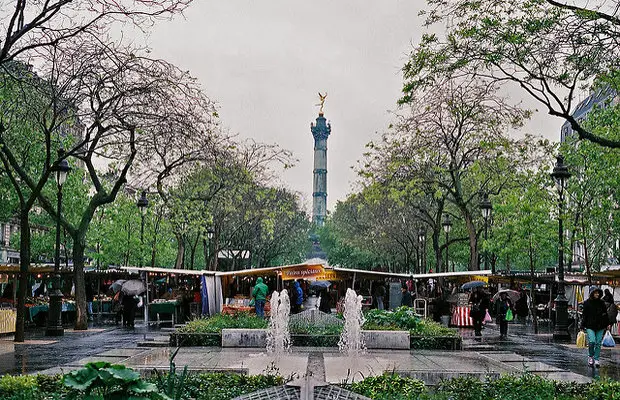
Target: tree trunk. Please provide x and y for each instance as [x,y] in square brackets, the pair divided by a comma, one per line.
[473,242]
[24,273]
[180,252]
[585,251]
[437,250]
[155,233]
[81,317]
[533,309]
[192,252]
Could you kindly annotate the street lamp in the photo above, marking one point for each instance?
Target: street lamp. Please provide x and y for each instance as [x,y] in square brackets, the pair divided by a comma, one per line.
[486,207]
[54,316]
[210,234]
[447,226]
[422,240]
[143,204]
[560,175]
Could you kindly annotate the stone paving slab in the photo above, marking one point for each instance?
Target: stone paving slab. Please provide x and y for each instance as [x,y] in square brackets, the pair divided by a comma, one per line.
[213,358]
[86,360]
[433,365]
[505,357]
[125,353]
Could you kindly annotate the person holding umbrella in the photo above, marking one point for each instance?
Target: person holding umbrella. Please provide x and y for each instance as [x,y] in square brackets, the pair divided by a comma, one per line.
[503,312]
[477,307]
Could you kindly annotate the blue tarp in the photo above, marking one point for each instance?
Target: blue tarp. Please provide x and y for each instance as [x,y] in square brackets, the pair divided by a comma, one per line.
[204,295]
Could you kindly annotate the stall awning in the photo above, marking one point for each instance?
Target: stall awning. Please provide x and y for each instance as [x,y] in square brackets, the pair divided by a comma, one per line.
[137,270]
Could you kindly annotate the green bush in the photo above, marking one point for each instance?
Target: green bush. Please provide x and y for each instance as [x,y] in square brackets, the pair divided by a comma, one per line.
[218,322]
[604,389]
[221,386]
[21,387]
[389,387]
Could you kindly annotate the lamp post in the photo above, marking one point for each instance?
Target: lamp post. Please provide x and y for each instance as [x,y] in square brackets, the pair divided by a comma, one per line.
[54,316]
[143,204]
[560,175]
[210,234]
[447,226]
[486,207]
[422,240]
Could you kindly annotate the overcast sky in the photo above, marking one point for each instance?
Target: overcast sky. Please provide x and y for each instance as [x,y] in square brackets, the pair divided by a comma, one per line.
[264,61]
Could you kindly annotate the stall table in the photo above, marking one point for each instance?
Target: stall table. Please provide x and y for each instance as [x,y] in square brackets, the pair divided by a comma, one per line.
[164,307]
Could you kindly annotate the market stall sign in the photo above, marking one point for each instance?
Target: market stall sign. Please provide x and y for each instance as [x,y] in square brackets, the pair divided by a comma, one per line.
[303,272]
[329,276]
[482,278]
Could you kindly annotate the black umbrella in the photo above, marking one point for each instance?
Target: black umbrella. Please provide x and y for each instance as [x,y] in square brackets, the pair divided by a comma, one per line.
[116,286]
[473,284]
[320,284]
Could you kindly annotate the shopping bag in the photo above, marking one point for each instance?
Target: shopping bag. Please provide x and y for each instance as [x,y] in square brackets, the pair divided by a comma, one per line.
[252,302]
[581,340]
[487,317]
[509,316]
[608,340]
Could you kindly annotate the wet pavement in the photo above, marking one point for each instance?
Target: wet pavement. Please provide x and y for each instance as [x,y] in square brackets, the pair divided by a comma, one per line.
[540,347]
[40,352]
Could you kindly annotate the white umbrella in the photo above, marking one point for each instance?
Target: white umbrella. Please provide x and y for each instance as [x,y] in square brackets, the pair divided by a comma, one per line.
[513,295]
[133,287]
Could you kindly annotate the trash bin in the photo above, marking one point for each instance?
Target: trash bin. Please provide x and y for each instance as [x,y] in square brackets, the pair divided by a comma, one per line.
[445,320]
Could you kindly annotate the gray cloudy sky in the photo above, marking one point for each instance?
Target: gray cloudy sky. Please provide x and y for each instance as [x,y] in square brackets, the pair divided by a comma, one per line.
[264,61]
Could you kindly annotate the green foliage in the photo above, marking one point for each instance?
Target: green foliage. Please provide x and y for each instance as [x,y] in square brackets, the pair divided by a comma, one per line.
[22,387]
[171,384]
[220,386]
[102,380]
[216,323]
[388,387]
[604,389]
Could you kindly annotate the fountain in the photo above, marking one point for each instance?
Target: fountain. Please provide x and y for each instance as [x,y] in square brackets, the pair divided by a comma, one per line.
[351,340]
[278,335]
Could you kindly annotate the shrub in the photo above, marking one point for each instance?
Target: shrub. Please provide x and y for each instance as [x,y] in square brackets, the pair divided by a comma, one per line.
[466,388]
[218,322]
[604,389]
[22,387]
[390,387]
[221,386]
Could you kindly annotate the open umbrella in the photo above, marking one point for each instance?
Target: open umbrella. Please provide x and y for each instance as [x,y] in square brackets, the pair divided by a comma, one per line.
[513,295]
[320,284]
[133,287]
[472,284]
[116,286]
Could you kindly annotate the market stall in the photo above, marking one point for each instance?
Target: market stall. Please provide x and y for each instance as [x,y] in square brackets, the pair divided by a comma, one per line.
[177,293]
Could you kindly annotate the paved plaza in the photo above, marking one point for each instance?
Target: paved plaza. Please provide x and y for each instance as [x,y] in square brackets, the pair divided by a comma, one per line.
[522,351]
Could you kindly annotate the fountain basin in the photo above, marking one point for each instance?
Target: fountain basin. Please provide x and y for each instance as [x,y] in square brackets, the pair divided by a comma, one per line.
[244,338]
[256,338]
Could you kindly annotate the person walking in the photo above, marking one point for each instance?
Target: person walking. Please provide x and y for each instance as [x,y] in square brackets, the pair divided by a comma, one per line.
[610,304]
[477,310]
[594,321]
[379,295]
[502,305]
[407,300]
[260,296]
[522,308]
[298,298]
